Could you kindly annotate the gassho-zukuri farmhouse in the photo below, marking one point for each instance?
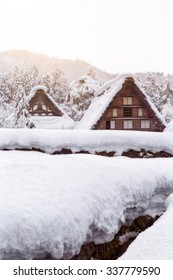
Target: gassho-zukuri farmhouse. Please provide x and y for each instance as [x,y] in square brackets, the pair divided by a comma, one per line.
[118,105]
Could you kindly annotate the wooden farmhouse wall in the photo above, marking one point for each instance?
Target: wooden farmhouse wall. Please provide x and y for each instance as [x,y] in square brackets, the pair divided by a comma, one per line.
[129,110]
[41,105]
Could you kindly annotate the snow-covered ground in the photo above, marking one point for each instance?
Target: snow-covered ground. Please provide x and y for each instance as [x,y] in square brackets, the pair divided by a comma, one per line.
[53,122]
[92,141]
[57,203]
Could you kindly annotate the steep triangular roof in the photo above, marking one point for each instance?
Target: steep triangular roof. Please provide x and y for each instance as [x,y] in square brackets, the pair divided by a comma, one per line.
[60,120]
[105,95]
[41,87]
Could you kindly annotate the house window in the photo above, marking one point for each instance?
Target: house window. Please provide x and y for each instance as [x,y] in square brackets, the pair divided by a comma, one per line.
[128,124]
[127,112]
[145,124]
[115,112]
[35,107]
[140,112]
[107,124]
[112,124]
[44,107]
[127,100]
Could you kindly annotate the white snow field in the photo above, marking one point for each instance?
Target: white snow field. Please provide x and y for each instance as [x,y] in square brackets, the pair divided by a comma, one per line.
[53,122]
[56,203]
[92,141]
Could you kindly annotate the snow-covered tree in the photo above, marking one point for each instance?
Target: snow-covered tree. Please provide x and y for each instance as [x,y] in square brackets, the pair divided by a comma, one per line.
[6,87]
[82,92]
[160,88]
[167,112]
[20,118]
[2,112]
[91,72]
[30,78]
[57,85]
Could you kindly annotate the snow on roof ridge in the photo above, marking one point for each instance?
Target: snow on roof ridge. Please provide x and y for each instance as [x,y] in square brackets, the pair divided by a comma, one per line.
[83,77]
[113,81]
[34,90]
[105,86]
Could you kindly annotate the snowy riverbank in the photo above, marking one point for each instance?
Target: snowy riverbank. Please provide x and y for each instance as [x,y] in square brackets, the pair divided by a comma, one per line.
[57,203]
[52,141]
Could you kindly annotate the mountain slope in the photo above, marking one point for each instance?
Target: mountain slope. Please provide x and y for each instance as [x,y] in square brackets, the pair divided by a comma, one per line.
[73,68]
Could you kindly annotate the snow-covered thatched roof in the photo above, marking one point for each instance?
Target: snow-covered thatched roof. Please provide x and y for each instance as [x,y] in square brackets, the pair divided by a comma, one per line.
[104,97]
[53,122]
[41,87]
[83,85]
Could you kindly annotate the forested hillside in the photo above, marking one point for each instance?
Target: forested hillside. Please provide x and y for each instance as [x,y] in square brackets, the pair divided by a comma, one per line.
[73,69]
[74,96]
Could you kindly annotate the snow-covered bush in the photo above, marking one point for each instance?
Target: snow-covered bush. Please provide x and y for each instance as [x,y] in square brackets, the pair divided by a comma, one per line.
[20,117]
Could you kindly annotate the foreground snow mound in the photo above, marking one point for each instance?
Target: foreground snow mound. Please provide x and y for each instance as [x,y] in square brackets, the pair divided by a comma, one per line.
[53,122]
[156,242]
[85,140]
[57,203]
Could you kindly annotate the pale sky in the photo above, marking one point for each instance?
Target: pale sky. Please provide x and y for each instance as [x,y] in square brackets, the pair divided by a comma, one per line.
[113,35]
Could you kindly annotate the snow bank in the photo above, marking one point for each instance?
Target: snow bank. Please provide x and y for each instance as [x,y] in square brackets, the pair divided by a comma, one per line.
[156,242]
[57,203]
[86,140]
[53,122]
